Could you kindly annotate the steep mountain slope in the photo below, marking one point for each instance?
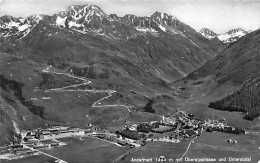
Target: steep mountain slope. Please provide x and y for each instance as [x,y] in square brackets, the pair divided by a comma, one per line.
[237,65]
[83,66]
[14,115]
[246,100]
[238,62]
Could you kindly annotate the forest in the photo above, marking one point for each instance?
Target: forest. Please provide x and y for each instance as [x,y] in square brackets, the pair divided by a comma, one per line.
[246,100]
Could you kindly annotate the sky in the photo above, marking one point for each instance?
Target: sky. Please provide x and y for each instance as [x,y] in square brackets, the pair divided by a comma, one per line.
[217,15]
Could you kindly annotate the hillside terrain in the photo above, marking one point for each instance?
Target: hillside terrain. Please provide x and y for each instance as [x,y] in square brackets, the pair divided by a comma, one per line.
[237,63]
[236,69]
[245,100]
[82,66]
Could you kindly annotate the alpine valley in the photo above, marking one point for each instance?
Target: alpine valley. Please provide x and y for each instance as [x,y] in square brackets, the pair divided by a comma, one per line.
[83,68]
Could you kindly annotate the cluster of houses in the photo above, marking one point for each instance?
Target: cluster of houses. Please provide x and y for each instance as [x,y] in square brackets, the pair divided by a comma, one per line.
[38,139]
[130,142]
[183,120]
[132,127]
[164,139]
[115,138]
[214,125]
[53,132]
[175,128]
[16,148]
[190,125]
[180,126]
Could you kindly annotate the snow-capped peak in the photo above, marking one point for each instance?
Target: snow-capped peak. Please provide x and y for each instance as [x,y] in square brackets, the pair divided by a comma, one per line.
[232,31]
[228,37]
[78,15]
[232,35]
[162,16]
[36,18]
[18,27]
[78,11]
[209,34]
[91,19]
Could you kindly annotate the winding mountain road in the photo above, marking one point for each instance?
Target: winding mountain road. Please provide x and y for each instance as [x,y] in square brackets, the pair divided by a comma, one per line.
[96,104]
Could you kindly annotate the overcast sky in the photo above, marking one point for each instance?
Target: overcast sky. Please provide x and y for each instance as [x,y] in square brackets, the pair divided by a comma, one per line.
[218,15]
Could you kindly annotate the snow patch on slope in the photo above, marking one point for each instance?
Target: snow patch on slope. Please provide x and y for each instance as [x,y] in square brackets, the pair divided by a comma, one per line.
[208,36]
[61,21]
[141,29]
[23,27]
[12,24]
[228,37]
[162,28]
[17,130]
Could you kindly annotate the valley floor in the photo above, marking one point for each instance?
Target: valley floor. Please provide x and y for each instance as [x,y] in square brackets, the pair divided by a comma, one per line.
[90,150]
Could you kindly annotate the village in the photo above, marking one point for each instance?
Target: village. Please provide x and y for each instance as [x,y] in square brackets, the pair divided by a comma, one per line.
[172,129]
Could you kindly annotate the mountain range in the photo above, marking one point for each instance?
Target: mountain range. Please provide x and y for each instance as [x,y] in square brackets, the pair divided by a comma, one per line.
[228,37]
[190,50]
[82,66]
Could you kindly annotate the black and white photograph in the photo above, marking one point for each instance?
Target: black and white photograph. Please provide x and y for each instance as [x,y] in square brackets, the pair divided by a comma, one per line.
[129,81]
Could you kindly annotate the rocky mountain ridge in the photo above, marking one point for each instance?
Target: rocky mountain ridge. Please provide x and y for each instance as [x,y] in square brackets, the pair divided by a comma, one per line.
[90,18]
[82,21]
[228,37]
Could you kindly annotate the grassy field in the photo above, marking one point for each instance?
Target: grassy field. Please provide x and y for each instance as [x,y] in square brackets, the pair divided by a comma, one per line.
[214,145]
[156,149]
[142,117]
[89,150]
[208,145]
[32,159]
